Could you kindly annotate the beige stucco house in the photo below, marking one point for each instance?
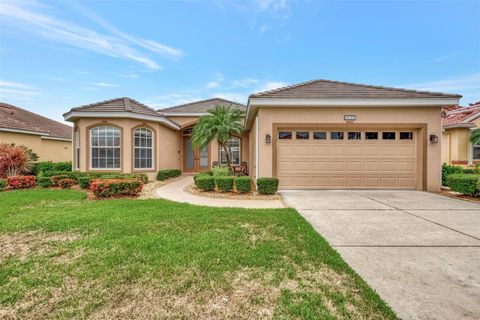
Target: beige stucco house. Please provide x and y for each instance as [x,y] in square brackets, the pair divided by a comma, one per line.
[457,123]
[314,135]
[49,139]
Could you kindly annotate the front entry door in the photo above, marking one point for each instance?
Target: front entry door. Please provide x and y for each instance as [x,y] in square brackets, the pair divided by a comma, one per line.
[194,159]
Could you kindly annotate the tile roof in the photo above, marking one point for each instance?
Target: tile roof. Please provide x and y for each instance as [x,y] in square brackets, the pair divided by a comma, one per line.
[458,116]
[200,106]
[16,118]
[118,104]
[328,89]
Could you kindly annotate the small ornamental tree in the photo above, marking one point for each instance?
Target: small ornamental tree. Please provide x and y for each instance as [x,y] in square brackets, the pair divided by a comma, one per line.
[221,123]
[15,160]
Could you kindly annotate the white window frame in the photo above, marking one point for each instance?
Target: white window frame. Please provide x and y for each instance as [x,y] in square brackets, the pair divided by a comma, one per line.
[222,150]
[77,149]
[473,147]
[111,147]
[152,148]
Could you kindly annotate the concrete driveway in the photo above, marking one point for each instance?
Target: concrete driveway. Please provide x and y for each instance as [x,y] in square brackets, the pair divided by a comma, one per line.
[419,251]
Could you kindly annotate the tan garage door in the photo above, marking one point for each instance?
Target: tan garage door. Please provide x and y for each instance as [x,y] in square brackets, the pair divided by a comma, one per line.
[360,158]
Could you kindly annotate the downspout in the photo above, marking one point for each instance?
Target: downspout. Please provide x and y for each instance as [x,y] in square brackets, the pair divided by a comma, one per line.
[256,149]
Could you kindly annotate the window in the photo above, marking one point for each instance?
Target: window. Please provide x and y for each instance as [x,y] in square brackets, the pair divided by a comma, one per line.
[143,148]
[354,136]
[371,135]
[235,147]
[303,135]
[406,135]
[320,135]
[77,149]
[388,135]
[476,152]
[105,147]
[336,135]
[285,135]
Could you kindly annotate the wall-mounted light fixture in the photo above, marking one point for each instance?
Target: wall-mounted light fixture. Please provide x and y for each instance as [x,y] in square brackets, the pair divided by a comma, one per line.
[268,138]
[433,138]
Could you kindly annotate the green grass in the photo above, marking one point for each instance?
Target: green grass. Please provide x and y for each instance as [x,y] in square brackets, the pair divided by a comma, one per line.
[65,257]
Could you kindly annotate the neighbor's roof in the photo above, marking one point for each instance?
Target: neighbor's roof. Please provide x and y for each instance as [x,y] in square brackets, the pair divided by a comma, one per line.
[328,89]
[15,118]
[201,106]
[116,105]
[458,116]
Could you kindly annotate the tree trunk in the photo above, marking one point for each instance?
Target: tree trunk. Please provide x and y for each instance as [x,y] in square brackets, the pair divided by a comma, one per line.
[228,155]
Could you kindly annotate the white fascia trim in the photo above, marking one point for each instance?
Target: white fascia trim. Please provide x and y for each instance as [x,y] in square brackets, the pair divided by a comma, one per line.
[183,114]
[25,131]
[54,138]
[473,117]
[460,125]
[76,114]
[280,102]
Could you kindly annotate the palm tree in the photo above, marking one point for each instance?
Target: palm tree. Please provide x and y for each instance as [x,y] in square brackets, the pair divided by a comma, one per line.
[475,136]
[220,123]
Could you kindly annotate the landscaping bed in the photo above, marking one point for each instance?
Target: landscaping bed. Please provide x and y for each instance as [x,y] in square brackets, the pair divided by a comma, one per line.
[232,195]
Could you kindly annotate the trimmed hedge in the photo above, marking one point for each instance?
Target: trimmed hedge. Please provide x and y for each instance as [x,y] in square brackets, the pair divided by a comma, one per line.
[128,176]
[3,184]
[19,182]
[222,171]
[56,179]
[224,184]
[205,183]
[114,187]
[44,182]
[66,183]
[243,184]
[468,171]
[49,166]
[267,185]
[168,173]
[464,183]
[448,170]
[84,182]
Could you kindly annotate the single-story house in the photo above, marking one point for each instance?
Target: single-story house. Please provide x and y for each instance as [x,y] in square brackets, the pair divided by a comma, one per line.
[49,139]
[457,123]
[316,134]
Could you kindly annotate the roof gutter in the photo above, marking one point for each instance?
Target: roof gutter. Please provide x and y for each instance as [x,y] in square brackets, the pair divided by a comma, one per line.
[459,125]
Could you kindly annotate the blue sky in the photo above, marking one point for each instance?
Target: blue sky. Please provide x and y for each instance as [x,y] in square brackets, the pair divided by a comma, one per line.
[55,55]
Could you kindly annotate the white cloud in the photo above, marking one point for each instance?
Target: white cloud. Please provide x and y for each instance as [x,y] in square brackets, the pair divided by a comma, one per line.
[130,75]
[236,97]
[114,44]
[15,90]
[465,82]
[104,84]
[272,85]
[244,83]
[213,84]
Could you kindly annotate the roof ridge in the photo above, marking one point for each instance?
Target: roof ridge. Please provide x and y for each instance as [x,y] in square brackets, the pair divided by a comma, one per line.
[126,101]
[97,103]
[199,101]
[349,83]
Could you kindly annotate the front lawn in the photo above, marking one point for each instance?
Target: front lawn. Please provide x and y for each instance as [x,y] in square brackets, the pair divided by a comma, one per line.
[64,257]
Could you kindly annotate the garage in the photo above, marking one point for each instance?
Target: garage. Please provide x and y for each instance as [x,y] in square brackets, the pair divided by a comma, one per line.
[353,158]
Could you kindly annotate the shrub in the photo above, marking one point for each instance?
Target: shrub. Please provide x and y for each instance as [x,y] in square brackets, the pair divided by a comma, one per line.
[17,182]
[201,174]
[84,182]
[56,179]
[66,183]
[467,171]
[15,160]
[44,182]
[464,183]
[221,171]
[267,185]
[113,187]
[49,166]
[224,183]
[165,174]
[205,183]
[128,176]
[447,170]
[243,184]
[3,184]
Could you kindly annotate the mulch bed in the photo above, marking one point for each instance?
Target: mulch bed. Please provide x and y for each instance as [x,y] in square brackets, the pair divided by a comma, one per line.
[456,195]
[232,195]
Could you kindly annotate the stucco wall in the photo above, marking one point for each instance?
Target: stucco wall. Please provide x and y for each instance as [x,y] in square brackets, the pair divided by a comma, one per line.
[47,150]
[456,145]
[430,117]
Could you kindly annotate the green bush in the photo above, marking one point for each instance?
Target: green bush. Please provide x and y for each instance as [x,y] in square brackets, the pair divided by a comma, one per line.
[447,170]
[468,171]
[128,176]
[84,182]
[267,185]
[224,183]
[201,174]
[44,182]
[243,184]
[165,174]
[205,183]
[464,183]
[49,166]
[221,171]
[3,184]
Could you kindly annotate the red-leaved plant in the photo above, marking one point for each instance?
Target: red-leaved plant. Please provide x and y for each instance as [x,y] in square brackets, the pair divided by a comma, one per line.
[19,182]
[113,187]
[15,160]
[66,183]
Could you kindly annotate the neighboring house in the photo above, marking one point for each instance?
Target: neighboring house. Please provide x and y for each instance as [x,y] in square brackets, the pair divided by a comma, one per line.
[49,139]
[457,123]
[316,134]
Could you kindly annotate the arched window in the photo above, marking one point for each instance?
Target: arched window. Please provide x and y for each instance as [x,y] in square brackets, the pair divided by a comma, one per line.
[235,146]
[143,148]
[105,147]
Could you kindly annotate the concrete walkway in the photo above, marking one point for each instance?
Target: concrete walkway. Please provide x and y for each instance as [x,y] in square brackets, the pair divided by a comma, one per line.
[419,251]
[175,191]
